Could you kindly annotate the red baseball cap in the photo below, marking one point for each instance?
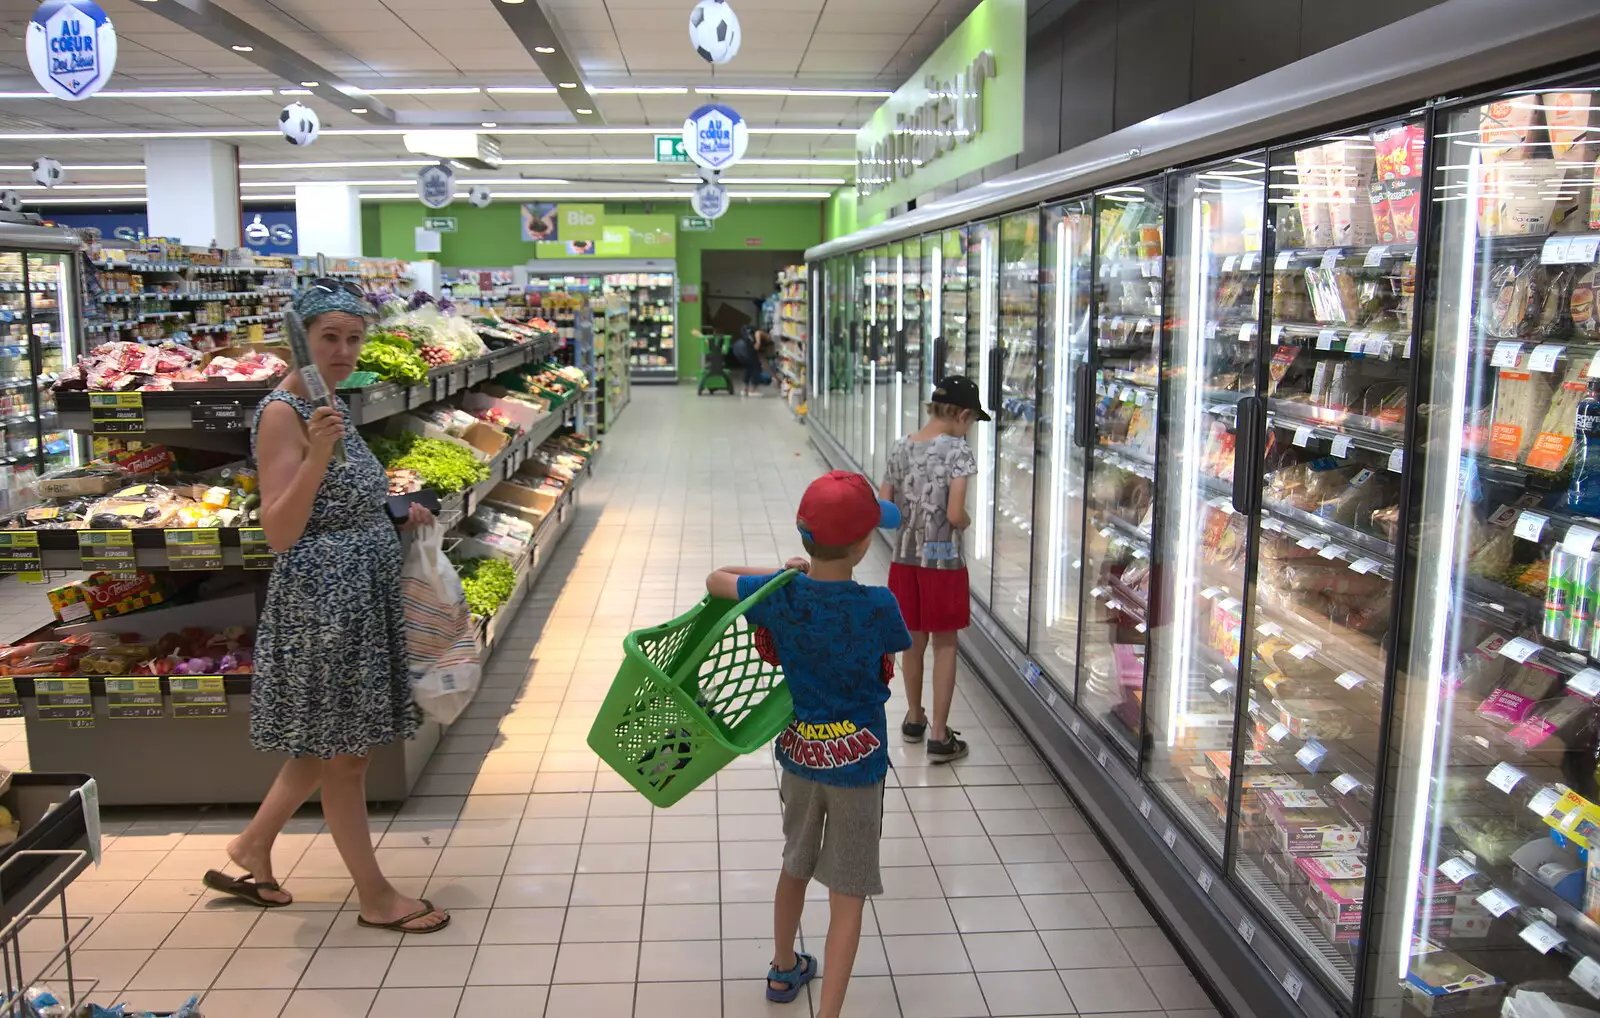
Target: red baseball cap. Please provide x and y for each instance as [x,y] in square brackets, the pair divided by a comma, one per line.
[840,508]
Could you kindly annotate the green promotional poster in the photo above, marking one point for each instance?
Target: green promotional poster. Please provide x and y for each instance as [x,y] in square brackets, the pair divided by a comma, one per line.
[573,230]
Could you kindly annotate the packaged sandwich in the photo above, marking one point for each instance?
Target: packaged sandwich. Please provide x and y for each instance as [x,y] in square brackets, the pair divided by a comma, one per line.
[1552,448]
[1581,304]
[1520,400]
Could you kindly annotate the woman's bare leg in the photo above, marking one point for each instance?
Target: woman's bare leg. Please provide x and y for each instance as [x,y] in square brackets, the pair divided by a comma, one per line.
[252,850]
[344,808]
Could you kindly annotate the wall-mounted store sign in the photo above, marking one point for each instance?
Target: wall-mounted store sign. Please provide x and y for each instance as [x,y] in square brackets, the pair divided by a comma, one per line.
[583,230]
[443,224]
[959,113]
[695,224]
[669,149]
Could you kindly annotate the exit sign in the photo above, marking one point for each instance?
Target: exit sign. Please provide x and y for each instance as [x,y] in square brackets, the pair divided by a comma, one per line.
[442,224]
[669,149]
[695,224]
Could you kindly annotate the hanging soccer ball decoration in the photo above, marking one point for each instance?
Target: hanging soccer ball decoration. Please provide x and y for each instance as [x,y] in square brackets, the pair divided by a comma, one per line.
[714,31]
[299,124]
[47,172]
[10,201]
[479,196]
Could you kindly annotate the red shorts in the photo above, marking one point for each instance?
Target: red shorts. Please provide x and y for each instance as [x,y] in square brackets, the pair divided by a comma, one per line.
[931,600]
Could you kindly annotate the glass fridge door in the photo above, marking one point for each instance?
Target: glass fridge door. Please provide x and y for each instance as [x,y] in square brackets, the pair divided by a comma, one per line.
[932,307]
[1121,483]
[1493,896]
[952,330]
[1014,416]
[1066,284]
[880,364]
[908,348]
[53,292]
[861,312]
[983,319]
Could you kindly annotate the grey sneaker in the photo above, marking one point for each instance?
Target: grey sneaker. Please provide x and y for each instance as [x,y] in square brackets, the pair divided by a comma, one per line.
[913,730]
[952,748]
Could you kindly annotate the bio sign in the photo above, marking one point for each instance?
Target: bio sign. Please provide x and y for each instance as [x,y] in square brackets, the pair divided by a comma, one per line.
[582,230]
[957,115]
[72,48]
[715,136]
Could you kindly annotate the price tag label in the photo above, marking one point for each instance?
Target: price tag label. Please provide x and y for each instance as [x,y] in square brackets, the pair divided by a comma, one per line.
[1103,758]
[1116,323]
[1302,436]
[198,696]
[116,413]
[1272,523]
[110,550]
[1221,686]
[1301,651]
[1341,446]
[1356,343]
[1144,808]
[253,546]
[1247,929]
[1331,257]
[1544,357]
[1365,565]
[134,698]
[1270,629]
[1277,333]
[66,700]
[1281,263]
[1205,880]
[1506,354]
[1457,870]
[1050,698]
[1344,784]
[1211,330]
[1375,256]
[1248,261]
[1230,604]
[1077,727]
[1292,986]
[1210,593]
[1247,332]
[1230,263]
[1519,649]
[220,417]
[197,549]
[1351,680]
[1587,975]
[1554,251]
[1326,338]
[1142,325]
[1278,732]
[1544,802]
[19,552]
[1171,837]
[10,703]
[1542,937]
[1579,541]
[1312,541]
[1529,525]
[1594,367]
[1505,777]
[1585,683]
[1397,461]
[1331,551]
[1497,902]
[1311,755]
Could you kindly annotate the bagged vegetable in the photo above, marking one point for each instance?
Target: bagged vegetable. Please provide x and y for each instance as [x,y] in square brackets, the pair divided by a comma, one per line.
[441,644]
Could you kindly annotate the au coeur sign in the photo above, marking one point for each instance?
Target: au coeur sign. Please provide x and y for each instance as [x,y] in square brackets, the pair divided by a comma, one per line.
[72,48]
[436,186]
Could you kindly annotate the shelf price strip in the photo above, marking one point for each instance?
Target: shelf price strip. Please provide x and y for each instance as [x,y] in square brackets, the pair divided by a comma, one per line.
[110,550]
[198,696]
[19,553]
[134,698]
[253,545]
[191,550]
[116,413]
[66,700]
[10,703]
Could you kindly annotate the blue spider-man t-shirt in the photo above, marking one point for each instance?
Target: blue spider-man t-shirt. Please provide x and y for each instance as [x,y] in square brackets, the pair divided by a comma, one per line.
[830,638]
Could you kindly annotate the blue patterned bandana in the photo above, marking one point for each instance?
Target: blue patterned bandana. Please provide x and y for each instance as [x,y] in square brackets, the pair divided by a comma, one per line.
[329,295]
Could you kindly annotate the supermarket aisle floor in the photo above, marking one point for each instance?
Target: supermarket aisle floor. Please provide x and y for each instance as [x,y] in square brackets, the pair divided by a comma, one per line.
[572,896]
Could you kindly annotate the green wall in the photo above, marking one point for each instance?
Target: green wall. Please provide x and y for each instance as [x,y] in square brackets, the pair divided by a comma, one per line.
[841,217]
[492,237]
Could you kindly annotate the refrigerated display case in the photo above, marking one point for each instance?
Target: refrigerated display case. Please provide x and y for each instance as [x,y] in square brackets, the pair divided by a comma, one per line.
[1015,415]
[983,322]
[950,332]
[879,361]
[908,358]
[40,320]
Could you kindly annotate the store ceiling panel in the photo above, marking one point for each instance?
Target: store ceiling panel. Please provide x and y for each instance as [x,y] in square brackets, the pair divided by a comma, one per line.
[397,44]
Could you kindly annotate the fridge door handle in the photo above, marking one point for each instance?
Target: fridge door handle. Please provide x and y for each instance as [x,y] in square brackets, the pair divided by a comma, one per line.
[901,356]
[1247,451]
[1082,408]
[996,362]
[938,360]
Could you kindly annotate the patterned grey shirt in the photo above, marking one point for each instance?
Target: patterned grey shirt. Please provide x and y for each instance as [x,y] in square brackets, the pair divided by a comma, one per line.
[920,473]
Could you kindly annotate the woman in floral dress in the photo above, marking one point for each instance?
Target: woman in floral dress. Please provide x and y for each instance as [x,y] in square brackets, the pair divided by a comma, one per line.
[331,680]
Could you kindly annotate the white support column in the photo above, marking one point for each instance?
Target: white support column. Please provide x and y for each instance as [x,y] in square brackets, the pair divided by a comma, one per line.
[192,191]
[328,218]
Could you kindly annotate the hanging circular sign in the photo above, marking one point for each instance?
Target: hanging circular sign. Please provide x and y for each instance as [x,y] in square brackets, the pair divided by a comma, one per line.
[715,136]
[72,48]
[710,200]
[436,185]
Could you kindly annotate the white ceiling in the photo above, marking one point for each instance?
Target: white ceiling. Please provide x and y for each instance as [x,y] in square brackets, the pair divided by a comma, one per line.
[387,44]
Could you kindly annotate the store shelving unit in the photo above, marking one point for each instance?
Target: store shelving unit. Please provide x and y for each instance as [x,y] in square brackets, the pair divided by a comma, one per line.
[612,325]
[648,288]
[793,338]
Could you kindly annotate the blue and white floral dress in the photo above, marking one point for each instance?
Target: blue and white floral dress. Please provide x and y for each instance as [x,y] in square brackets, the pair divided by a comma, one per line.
[331,676]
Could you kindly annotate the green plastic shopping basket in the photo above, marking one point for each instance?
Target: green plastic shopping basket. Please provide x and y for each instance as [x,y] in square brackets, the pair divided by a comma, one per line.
[690,696]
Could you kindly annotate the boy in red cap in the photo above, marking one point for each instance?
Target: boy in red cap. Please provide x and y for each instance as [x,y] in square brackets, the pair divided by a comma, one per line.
[830,634]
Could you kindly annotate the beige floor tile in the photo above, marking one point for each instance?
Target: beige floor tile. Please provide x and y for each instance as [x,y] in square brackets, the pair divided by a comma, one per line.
[321,1003]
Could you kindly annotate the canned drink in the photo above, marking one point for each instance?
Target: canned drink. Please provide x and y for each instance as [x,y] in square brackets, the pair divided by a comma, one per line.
[1557,595]
[1580,603]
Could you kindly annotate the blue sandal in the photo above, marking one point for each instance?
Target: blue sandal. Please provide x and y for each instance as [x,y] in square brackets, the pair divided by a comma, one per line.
[805,967]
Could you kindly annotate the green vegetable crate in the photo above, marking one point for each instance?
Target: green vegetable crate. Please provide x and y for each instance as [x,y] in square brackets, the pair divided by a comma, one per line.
[690,696]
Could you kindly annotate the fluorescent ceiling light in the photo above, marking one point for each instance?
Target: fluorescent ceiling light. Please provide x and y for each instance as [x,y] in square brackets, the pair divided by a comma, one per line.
[521,90]
[488,123]
[355,164]
[311,84]
[359,110]
[139,93]
[374,132]
[818,93]
[566,84]
[583,111]
[76,187]
[800,130]
[75,168]
[443,144]
[619,195]
[294,91]
[639,89]
[243,49]
[544,49]
[818,181]
[426,90]
[386,182]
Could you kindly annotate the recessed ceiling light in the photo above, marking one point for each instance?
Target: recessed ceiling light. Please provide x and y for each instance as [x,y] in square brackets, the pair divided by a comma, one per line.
[359,109]
[585,110]
[511,1]
[311,84]
[544,49]
[488,123]
[567,84]
[243,49]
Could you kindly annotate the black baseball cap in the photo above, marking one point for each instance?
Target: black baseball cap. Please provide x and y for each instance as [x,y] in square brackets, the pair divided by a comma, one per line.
[960,391]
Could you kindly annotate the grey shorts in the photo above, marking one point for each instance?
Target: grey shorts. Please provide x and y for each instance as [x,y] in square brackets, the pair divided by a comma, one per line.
[832,834]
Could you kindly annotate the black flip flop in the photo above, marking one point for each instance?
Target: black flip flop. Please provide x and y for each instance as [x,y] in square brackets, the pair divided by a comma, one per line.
[245,888]
[399,925]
